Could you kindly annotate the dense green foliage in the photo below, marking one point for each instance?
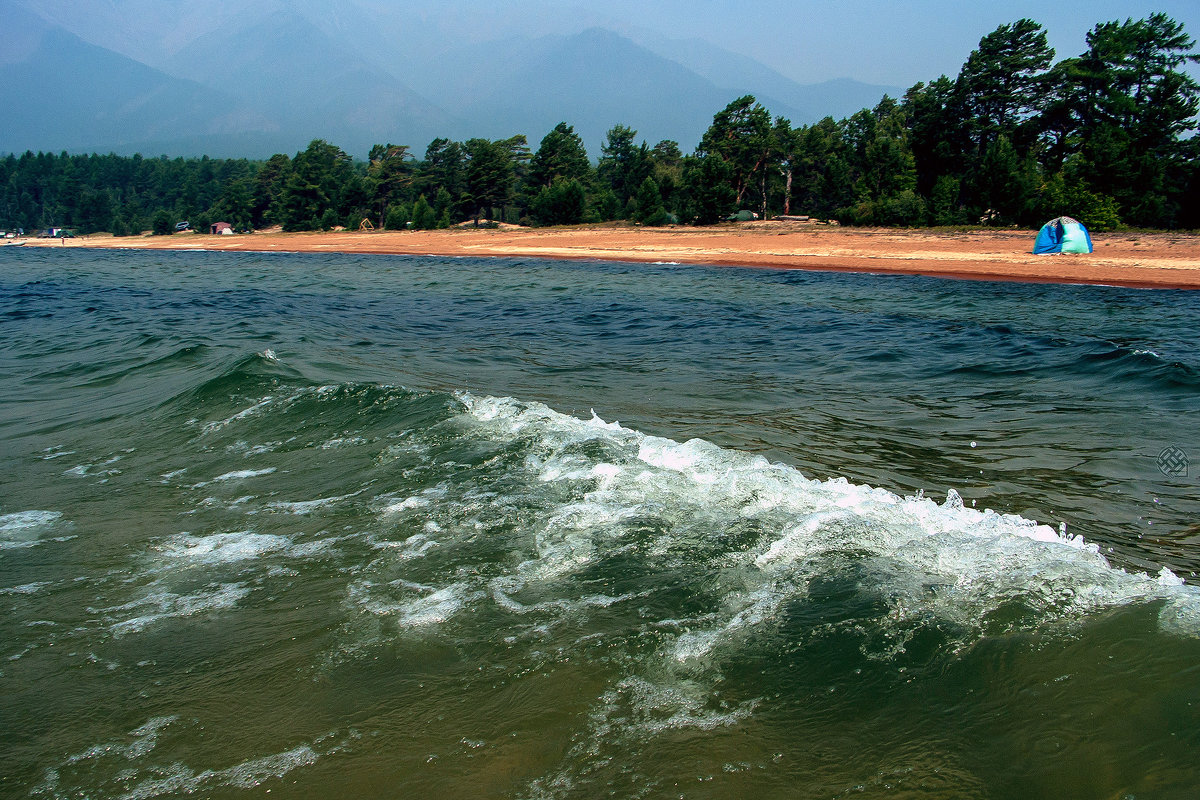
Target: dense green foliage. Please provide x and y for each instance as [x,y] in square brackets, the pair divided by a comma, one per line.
[1015,138]
[94,193]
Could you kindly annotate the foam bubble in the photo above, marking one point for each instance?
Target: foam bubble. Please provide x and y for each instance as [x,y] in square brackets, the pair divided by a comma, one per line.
[343,441]
[24,528]
[434,608]
[247,450]
[223,548]
[139,743]
[162,604]
[125,767]
[550,507]
[425,499]
[638,708]
[406,504]
[26,588]
[236,475]
[661,706]
[27,520]
[944,559]
[437,607]
[178,779]
[213,427]
[86,470]
[414,546]
[303,507]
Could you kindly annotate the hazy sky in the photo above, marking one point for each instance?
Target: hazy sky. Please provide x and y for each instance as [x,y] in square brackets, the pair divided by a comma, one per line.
[895,42]
[904,41]
[889,42]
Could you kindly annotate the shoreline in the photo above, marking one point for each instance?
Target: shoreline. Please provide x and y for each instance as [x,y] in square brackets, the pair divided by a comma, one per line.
[1133,260]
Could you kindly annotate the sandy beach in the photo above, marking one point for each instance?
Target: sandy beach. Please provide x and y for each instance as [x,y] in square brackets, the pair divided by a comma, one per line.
[1144,260]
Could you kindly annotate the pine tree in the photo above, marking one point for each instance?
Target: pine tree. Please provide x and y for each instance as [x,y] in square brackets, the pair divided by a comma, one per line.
[740,135]
[560,156]
[650,209]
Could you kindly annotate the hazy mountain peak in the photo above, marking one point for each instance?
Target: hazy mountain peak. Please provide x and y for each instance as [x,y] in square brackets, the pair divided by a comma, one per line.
[21,32]
[358,72]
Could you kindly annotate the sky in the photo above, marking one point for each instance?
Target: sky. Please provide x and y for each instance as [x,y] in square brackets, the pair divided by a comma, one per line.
[885,42]
[889,42]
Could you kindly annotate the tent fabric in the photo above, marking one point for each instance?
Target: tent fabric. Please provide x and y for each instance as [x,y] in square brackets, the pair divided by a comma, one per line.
[1063,235]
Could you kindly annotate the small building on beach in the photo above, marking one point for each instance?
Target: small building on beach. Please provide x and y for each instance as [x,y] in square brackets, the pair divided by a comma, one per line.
[220,228]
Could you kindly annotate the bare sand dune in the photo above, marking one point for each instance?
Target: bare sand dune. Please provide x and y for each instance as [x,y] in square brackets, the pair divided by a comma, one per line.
[1157,260]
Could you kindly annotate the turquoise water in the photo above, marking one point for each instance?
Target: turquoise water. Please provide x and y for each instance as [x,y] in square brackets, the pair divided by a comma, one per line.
[375,526]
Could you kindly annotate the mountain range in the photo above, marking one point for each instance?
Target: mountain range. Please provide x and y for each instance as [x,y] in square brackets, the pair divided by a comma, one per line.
[223,80]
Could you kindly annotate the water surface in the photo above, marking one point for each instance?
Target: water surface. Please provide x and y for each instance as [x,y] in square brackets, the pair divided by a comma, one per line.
[363,525]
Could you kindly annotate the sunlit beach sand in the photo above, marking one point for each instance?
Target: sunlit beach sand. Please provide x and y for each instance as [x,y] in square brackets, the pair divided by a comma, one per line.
[1150,260]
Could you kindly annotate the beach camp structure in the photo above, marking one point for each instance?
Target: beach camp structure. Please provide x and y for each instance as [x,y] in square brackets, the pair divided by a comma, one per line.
[220,227]
[1063,235]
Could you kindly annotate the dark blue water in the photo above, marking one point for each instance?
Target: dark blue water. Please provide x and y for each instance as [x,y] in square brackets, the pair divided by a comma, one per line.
[329,524]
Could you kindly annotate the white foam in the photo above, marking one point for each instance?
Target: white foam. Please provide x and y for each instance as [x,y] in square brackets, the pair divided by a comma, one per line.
[743,611]
[425,499]
[27,520]
[247,450]
[409,447]
[302,507]
[163,604]
[753,538]
[237,475]
[637,708]
[432,609]
[142,741]
[436,608]
[659,707]
[223,548]
[124,768]
[414,546]
[502,588]
[179,779]
[974,560]
[343,441]
[245,413]
[86,470]
[25,528]
[26,588]
[407,504]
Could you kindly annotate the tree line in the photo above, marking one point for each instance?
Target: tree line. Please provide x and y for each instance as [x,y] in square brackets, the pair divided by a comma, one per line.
[1014,139]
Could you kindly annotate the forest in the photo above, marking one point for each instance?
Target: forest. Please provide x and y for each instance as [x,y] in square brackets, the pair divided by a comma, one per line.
[1014,139]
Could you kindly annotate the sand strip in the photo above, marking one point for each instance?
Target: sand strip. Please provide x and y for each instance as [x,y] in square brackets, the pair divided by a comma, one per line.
[1143,260]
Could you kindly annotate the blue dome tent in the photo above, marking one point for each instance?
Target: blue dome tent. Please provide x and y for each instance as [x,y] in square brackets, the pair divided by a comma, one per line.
[1063,235]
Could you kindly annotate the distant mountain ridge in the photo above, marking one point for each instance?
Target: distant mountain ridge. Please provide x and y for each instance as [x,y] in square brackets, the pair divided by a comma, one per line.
[60,92]
[622,82]
[310,81]
[801,103]
[279,79]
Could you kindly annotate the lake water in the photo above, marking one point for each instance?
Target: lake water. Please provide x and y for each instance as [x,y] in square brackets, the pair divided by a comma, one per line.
[367,526]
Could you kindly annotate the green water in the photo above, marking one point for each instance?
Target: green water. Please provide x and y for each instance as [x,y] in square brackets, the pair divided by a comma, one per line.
[333,526]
